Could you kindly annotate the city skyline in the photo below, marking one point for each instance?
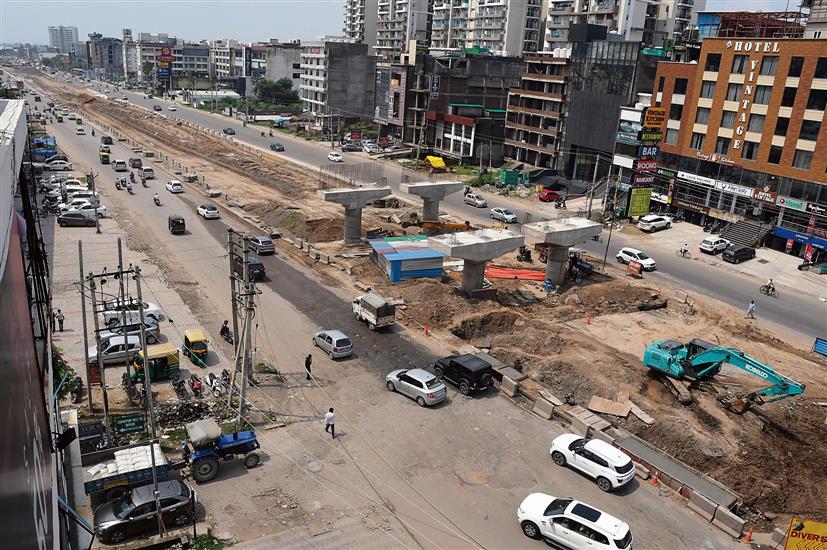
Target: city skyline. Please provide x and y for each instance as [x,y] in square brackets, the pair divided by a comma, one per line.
[23,21]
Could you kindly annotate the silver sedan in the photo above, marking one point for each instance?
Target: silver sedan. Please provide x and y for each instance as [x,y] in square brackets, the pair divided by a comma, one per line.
[418,384]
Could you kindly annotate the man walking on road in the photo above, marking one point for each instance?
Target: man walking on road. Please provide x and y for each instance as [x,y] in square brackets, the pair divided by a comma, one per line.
[750,310]
[59,318]
[329,420]
[307,362]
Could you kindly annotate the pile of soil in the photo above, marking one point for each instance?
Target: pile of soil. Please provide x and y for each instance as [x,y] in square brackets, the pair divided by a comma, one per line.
[291,218]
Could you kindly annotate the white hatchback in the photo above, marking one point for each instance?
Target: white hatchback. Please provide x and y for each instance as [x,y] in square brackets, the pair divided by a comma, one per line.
[606,464]
[504,215]
[334,157]
[175,186]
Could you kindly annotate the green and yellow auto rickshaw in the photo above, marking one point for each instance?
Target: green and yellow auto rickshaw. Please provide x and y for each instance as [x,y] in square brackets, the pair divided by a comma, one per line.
[163,363]
[104,156]
[195,346]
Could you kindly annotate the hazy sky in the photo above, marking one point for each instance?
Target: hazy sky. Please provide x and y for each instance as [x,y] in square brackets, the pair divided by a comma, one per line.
[244,20]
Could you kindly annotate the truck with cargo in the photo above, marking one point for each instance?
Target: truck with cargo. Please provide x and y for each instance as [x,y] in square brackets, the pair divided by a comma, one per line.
[374,310]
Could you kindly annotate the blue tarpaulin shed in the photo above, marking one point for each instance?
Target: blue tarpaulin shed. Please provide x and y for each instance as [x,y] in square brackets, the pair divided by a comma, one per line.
[407,257]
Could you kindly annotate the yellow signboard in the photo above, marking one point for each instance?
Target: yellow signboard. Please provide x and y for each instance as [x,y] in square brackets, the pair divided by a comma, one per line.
[639,198]
[654,117]
[805,534]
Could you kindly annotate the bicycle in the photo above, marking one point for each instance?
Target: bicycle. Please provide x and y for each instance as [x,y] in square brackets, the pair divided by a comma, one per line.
[769,291]
[683,253]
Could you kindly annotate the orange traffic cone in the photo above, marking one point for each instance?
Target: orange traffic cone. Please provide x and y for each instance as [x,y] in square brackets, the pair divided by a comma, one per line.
[589,320]
[654,480]
[748,536]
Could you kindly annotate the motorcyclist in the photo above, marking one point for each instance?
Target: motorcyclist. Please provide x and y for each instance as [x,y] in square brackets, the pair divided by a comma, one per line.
[93,133]
[770,286]
[262,133]
[225,329]
[157,199]
[271,133]
[129,187]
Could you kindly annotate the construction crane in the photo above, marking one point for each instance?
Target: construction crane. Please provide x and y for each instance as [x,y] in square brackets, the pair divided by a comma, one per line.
[699,360]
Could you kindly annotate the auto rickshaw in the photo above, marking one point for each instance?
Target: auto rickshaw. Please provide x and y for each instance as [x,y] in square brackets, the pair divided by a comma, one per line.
[177,226]
[195,346]
[104,157]
[60,118]
[163,363]
[78,121]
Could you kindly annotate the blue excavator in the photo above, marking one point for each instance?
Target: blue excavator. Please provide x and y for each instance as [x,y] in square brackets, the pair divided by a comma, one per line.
[699,360]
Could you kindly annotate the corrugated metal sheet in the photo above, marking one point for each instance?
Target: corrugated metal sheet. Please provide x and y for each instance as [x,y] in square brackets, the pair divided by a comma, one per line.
[820,346]
[407,257]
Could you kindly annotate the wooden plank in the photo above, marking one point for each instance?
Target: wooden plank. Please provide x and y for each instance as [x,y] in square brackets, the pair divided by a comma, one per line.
[606,406]
[638,412]
[550,397]
[622,396]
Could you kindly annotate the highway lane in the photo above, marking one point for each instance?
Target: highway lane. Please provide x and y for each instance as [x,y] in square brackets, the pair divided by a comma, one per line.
[799,313]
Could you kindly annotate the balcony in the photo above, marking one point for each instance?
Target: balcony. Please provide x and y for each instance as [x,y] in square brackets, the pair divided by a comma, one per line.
[556,78]
[530,111]
[537,130]
[532,93]
[550,150]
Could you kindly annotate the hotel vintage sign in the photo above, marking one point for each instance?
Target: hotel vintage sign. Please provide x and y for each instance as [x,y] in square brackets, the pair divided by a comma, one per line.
[757,48]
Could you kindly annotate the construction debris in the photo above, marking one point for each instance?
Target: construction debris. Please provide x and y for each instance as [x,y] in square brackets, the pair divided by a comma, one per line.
[606,406]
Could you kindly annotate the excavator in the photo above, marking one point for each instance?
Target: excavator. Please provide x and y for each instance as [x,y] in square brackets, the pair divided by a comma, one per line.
[436,228]
[699,360]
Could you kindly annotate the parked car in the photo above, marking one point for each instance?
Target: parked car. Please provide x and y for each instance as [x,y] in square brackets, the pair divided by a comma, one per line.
[628,254]
[171,108]
[547,195]
[228,131]
[334,156]
[571,524]
[372,149]
[504,215]
[262,244]
[713,245]
[77,219]
[58,165]
[112,312]
[74,202]
[208,211]
[606,464]
[157,108]
[736,253]
[175,186]
[276,147]
[256,268]
[469,372]
[654,222]
[100,211]
[333,342]
[80,131]
[134,513]
[116,349]
[418,384]
[152,331]
[475,200]
[351,147]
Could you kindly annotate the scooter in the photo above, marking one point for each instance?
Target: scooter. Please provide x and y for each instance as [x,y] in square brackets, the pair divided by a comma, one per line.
[215,384]
[157,200]
[143,182]
[129,188]
[597,238]
[180,388]
[226,333]
[118,185]
[196,385]
[225,378]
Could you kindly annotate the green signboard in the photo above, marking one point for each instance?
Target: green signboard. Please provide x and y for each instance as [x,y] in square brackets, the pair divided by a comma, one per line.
[639,198]
[129,423]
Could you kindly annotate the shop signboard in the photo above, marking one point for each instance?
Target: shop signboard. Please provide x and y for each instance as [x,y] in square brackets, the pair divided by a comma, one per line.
[808,253]
[813,208]
[649,136]
[795,204]
[654,117]
[163,73]
[435,87]
[129,423]
[765,195]
[665,172]
[648,152]
[695,178]
[639,198]
[628,139]
[646,165]
[166,55]
[634,268]
[734,188]
[686,205]
[640,179]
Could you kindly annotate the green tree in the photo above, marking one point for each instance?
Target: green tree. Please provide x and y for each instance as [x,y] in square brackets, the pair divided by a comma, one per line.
[276,91]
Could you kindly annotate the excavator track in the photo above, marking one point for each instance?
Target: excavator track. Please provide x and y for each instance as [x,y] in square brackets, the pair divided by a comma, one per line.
[678,388]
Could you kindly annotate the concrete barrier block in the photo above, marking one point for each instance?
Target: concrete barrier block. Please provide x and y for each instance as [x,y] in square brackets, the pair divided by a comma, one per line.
[642,471]
[542,408]
[508,387]
[603,436]
[306,246]
[778,536]
[324,258]
[298,243]
[579,427]
[702,506]
[728,522]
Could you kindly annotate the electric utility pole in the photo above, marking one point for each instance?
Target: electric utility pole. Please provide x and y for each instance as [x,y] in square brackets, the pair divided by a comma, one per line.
[122,302]
[83,289]
[92,286]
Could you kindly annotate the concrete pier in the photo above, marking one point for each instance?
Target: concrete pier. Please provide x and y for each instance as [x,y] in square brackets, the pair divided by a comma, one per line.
[559,236]
[353,199]
[476,249]
[432,192]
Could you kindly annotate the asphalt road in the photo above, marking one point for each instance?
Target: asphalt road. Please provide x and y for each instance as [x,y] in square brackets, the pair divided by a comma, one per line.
[487,433]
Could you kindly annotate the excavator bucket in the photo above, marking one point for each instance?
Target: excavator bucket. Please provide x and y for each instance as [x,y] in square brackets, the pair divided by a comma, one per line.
[738,404]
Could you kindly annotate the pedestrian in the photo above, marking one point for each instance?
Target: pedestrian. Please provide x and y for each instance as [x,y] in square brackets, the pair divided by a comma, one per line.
[59,318]
[52,319]
[329,421]
[750,310]
[307,362]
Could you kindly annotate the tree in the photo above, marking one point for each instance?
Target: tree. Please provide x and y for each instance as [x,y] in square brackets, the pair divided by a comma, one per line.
[276,91]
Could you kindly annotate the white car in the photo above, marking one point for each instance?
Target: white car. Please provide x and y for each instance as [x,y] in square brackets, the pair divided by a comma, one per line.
[58,165]
[606,464]
[80,131]
[713,245]
[504,215]
[171,108]
[72,116]
[335,157]
[571,524]
[475,200]
[208,211]
[113,309]
[100,211]
[73,203]
[628,254]
[175,186]
[653,222]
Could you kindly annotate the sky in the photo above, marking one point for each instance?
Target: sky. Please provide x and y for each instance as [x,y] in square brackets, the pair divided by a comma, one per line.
[193,20]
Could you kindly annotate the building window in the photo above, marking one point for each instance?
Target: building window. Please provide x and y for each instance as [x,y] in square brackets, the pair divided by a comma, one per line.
[661,83]
[762,95]
[809,130]
[722,145]
[775,155]
[802,159]
[796,64]
[697,141]
[817,100]
[768,65]
[788,98]
[756,123]
[702,116]
[671,137]
[708,89]
[781,126]
[675,111]
[728,119]
[739,64]
[821,68]
[750,151]
[680,86]
[733,92]
[713,62]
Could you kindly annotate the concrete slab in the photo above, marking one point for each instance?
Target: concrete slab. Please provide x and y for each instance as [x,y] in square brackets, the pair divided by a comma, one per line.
[563,232]
[702,506]
[477,246]
[728,522]
[543,409]
[603,436]
[607,406]
[432,192]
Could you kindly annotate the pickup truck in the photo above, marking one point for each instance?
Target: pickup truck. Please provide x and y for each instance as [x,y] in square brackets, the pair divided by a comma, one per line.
[374,310]
[121,469]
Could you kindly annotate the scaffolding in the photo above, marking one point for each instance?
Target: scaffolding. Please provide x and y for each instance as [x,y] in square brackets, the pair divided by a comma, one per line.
[745,24]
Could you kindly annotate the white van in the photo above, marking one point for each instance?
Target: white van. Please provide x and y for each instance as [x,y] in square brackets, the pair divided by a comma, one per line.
[148,172]
[120,166]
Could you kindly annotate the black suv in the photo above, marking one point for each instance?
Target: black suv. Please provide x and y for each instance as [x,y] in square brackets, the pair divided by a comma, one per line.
[257,270]
[736,253]
[469,372]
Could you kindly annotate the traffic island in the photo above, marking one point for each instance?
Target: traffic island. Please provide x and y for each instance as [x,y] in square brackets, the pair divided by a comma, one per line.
[558,236]
[432,192]
[353,200]
[476,249]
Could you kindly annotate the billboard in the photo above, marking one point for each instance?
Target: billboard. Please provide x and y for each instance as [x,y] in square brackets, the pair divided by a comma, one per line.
[654,117]
[806,534]
[639,198]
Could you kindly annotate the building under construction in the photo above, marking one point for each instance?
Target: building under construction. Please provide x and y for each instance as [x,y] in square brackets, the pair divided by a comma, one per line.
[747,24]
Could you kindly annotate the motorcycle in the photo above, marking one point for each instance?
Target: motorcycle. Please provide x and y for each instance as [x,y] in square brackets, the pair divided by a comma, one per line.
[127,386]
[157,200]
[196,386]
[226,333]
[707,227]
[769,290]
[262,133]
[524,255]
[143,401]
[76,393]
[215,384]
[179,387]
[118,185]
[560,203]
[597,238]
[143,182]
[129,188]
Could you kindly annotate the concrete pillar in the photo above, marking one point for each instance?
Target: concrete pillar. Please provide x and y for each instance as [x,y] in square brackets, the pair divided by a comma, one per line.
[353,226]
[472,275]
[556,263]
[430,210]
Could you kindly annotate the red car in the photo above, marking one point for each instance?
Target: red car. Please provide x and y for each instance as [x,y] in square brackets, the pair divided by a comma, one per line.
[547,195]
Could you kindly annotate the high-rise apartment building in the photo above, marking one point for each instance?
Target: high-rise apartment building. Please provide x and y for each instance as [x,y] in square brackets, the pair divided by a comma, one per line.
[360,20]
[817,22]
[63,38]
[397,23]
[104,55]
[504,27]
